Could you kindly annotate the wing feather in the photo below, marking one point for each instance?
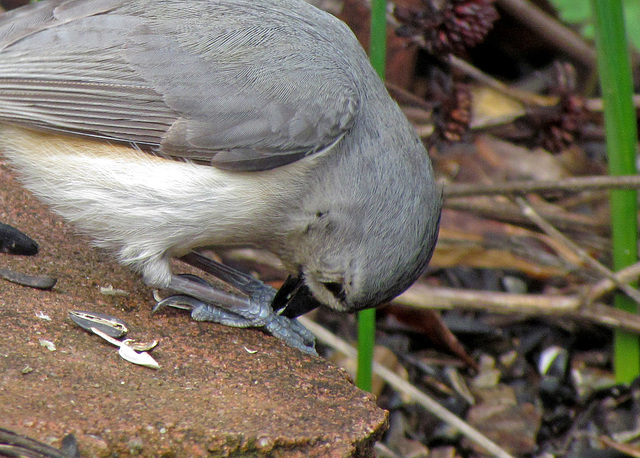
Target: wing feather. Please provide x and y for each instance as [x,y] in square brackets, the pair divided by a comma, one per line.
[225,83]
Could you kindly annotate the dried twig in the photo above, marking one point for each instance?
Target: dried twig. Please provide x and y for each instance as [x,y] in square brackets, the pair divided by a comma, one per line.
[551,231]
[525,97]
[626,449]
[422,296]
[574,184]
[626,275]
[528,98]
[502,211]
[405,387]
[551,30]
[596,104]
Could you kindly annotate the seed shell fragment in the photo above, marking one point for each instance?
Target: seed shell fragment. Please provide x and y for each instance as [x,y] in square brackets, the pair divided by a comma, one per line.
[110,325]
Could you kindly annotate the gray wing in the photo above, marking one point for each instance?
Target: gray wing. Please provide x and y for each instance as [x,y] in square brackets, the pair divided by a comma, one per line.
[240,85]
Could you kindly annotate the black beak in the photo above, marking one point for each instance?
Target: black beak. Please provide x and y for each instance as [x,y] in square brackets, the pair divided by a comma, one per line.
[294,298]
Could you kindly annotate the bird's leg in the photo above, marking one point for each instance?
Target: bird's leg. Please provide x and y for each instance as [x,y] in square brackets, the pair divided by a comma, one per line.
[253,310]
[244,283]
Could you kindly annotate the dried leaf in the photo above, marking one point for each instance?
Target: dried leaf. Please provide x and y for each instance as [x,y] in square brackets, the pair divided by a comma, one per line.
[491,108]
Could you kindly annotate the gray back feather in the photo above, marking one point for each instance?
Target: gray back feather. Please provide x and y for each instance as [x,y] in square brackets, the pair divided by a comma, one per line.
[217,82]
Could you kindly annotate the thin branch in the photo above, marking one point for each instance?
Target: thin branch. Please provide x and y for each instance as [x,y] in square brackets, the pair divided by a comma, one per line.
[507,212]
[525,97]
[625,449]
[439,298]
[596,104]
[626,275]
[404,97]
[574,184]
[534,216]
[405,387]
[551,30]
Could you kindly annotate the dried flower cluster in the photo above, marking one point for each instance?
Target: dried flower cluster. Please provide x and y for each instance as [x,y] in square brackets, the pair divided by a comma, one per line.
[457,113]
[561,128]
[447,26]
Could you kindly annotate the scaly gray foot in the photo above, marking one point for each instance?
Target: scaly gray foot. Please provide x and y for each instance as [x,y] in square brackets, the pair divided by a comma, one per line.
[209,304]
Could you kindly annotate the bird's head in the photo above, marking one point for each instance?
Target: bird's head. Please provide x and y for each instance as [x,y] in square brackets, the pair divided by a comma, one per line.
[348,258]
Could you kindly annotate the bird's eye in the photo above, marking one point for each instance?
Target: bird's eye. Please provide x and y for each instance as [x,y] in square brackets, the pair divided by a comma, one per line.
[337,290]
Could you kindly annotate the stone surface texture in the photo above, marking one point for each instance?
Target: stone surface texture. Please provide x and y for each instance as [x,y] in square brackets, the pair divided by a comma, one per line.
[219,391]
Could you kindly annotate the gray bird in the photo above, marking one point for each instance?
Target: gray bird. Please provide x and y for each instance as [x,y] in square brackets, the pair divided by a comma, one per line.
[160,127]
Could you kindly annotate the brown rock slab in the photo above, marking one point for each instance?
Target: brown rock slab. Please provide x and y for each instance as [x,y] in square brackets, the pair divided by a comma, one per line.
[219,391]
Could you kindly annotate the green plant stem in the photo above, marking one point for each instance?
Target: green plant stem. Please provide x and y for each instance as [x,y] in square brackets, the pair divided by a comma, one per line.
[366,343]
[622,139]
[367,318]
[378,40]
